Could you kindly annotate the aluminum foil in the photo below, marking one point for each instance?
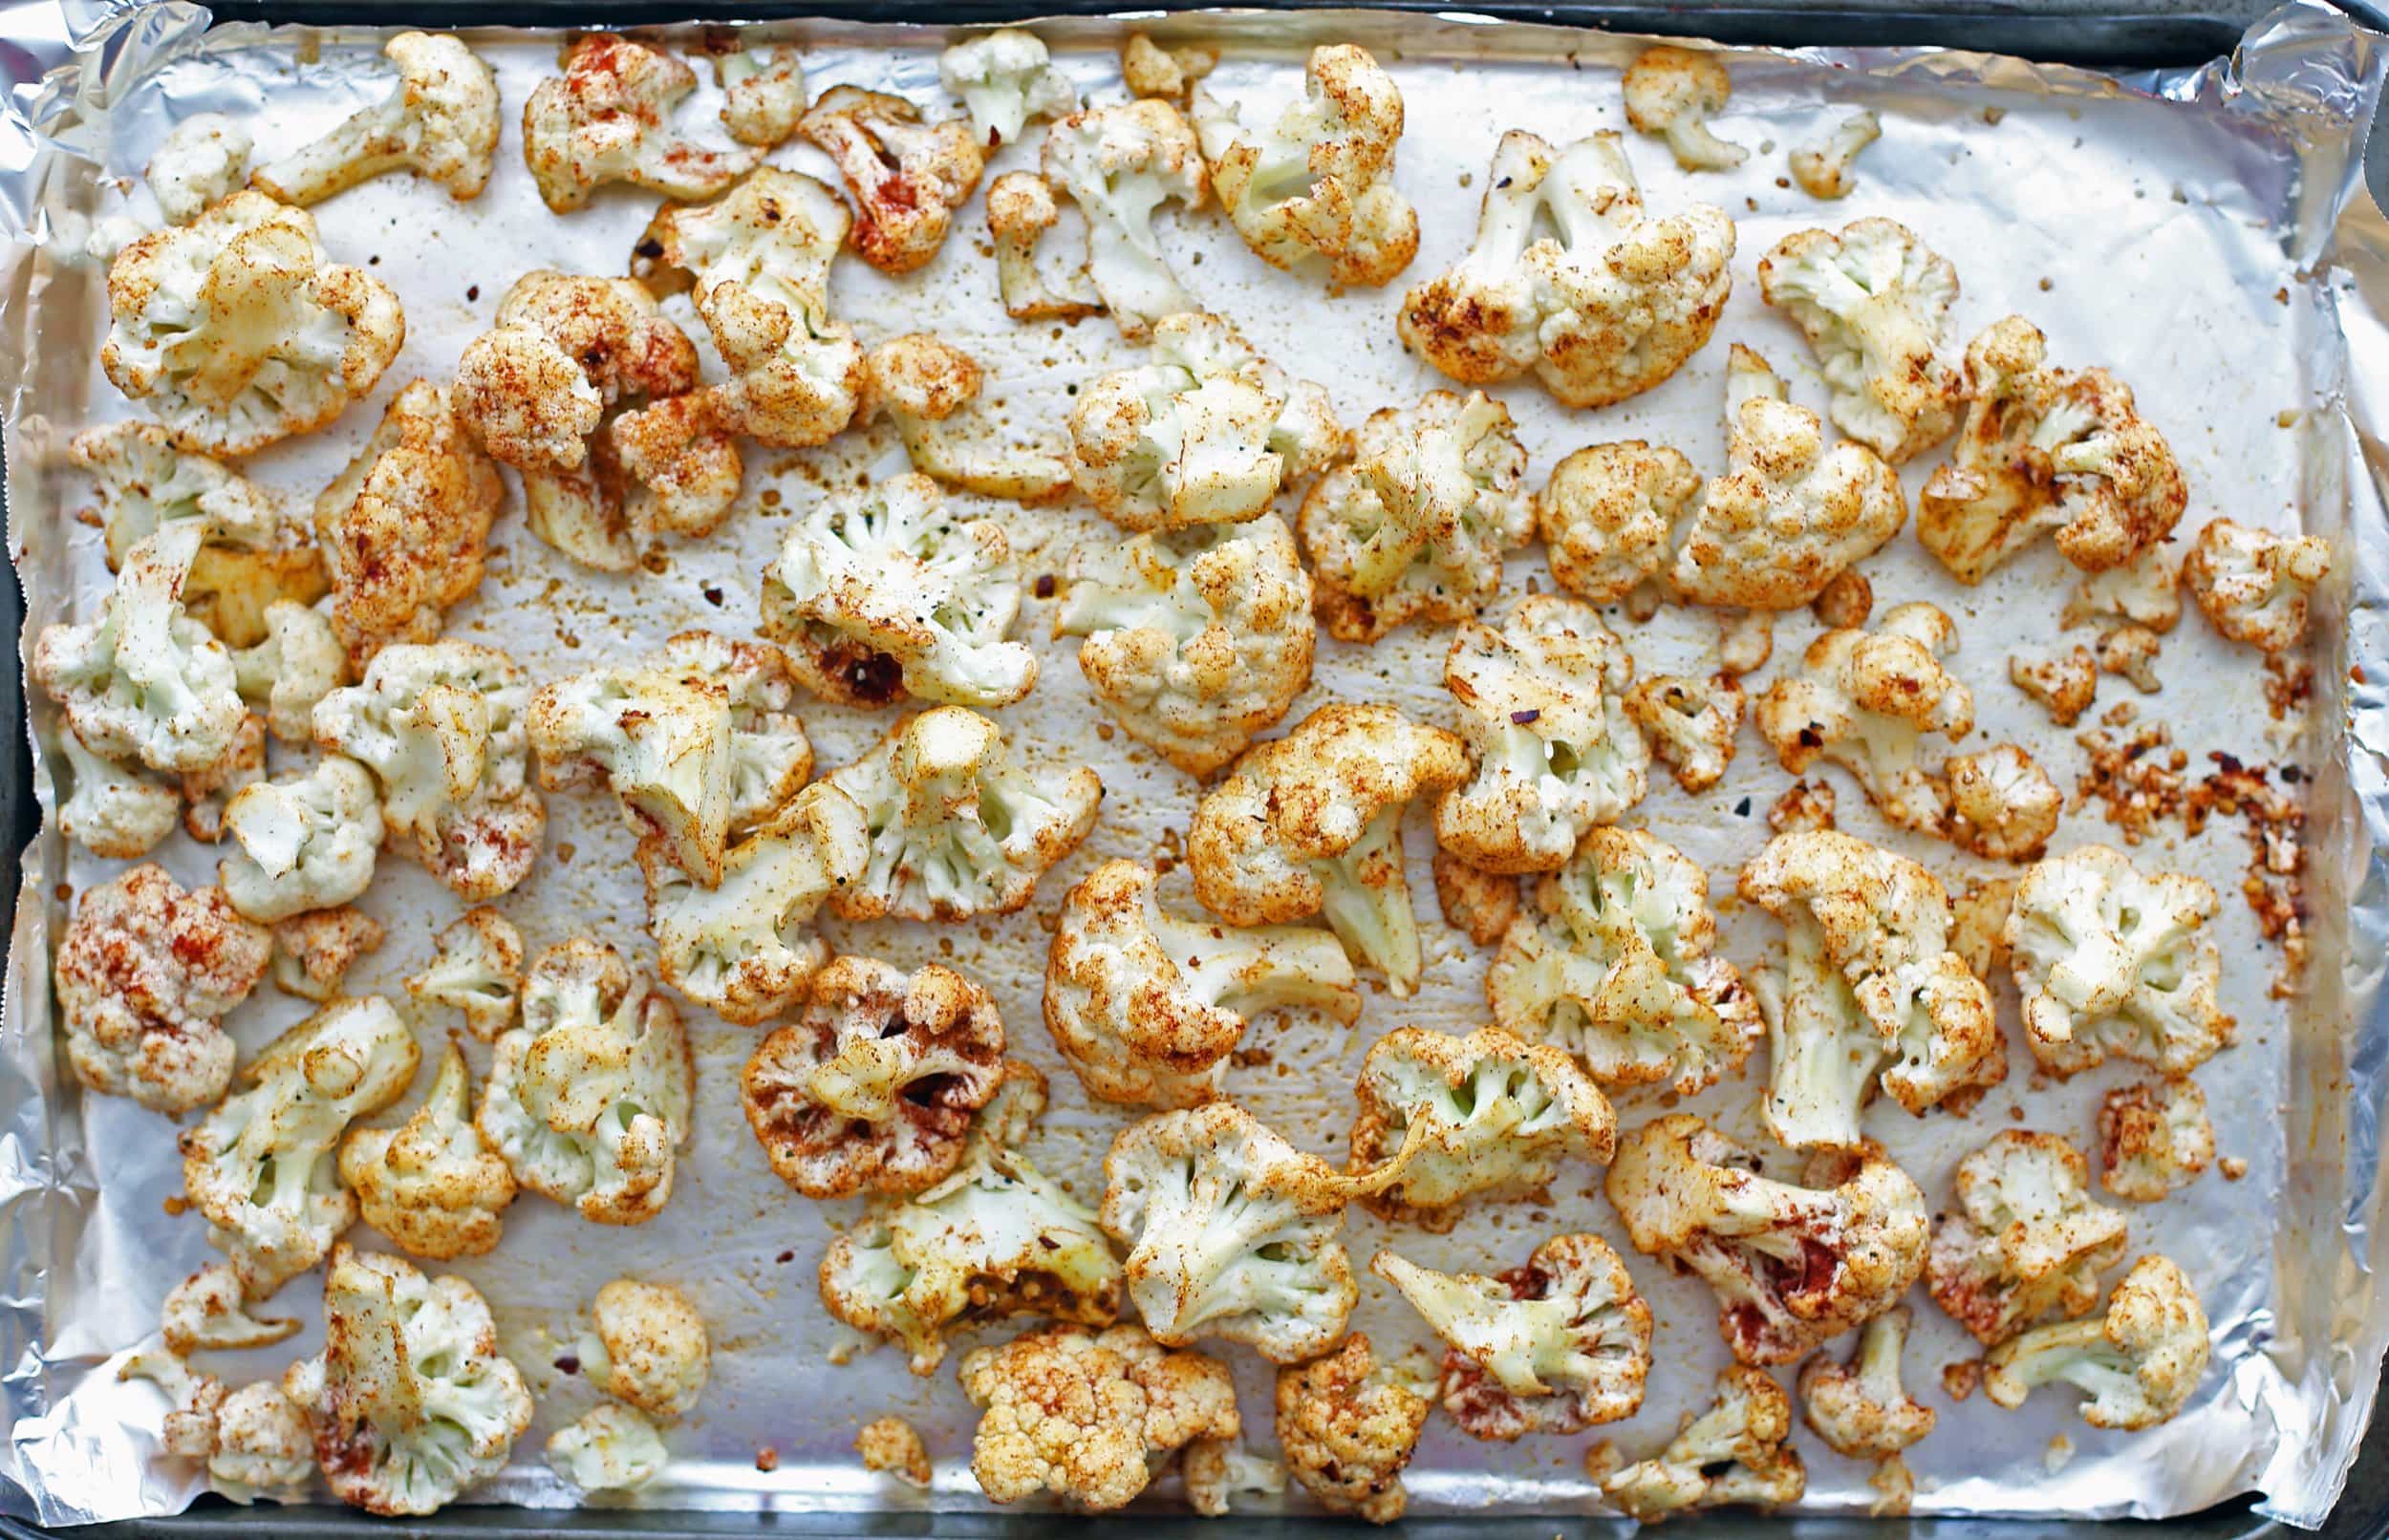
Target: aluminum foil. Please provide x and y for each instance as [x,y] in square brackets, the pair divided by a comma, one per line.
[2201,232]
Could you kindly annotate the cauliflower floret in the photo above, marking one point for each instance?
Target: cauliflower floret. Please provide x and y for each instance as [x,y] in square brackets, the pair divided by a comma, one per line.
[606,120]
[1859,1407]
[589,1098]
[1314,190]
[193,1400]
[1347,1425]
[1609,309]
[439,725]
[923,385]
[1617,965]
[1232,1231]
[312,952]
[1875,302]
[144,975]
[1147,1007]
[304,844]
[696,742]
[2027,1241]
[1691,725]
[476,966]
[763,93]
[238,334]
[2112,962]
[2145,592]
[204,161]
[1312,823]
[873,1086]
[110,809]
[441,124]
[1477,904]
[1482,1115]
[2064,683]
[1195,641]
[608,1448]
[262,1165]
[1020,209]
[2154,1136]
[2046,449]
[2131,652]
[1822,169]
[892,1446]
[1542,707]
[1150,69]
[956,827]
[646,1345]
[1864,700]
[2252,583]
[1672,93]
[298,663]
[1087,1416]
[1793,1266]
[1736,1452]
[2138,1363]
[1608,514]
[1206,432]
[206,1311]
[1005,78]
[1120,165]
[1556,1346]
[263,1447]
[434,1186]
[1980,935]
[906,178]
[205,792]
[2002,806]
[409,1401]
[1215,1472]
[1415,527]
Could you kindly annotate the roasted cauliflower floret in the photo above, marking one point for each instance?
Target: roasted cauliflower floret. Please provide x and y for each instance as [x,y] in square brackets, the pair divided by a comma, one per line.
[892,1446]
[1555,1346]
[206,1311]
[607,120]
[2154,1136]
[110,809]
[2065,683]
[204,792]
[1021,208]
[263,1166]
[1608,516]
[1147,1007]
[1314,191]
[441,124]
[298,663]
[1859,1407]
[145,973]
[1875,302]
[1415,527]
[1793,1266]
[1150,69]
[1864,700]
[1311,822]
[476,966]
[433,1186]
[608,1448]
[906,178]
[925,386]
[2137,1364]
[1347,1425]
[1822,168]
[1672,93]
[1691,725]
[589,1098]
[2002,806]
[2027,1240]
[2252,583]
[1736,1452]
[312,952]
[253,1440]
[763,93]
[1005,78]
[1089,1415]
[304,844]
[1477,904]
[2112,962]
[204,161]
[1120,165]
[1617,965]
[647,1346]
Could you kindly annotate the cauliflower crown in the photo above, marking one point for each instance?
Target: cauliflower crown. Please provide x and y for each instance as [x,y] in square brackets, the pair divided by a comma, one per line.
[1875,302]
[432,1184]
[1864,700]
[2027,1242]
[304,844]
[2110,961]
[2137,1365]
[1348,1425]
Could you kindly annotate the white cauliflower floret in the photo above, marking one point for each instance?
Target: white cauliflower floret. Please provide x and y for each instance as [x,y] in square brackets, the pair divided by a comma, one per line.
[1232,1233]
[441,124]
[409,1401]
[1618,966]
[2137,1364]
[2145,592]
[312,952]
[1822,169]
[1216,1472]
[253,1440]
[1482,1115]
[304,844]
[1859,1407]
[476,966]
[1150,69]
[1347,1425]
[2252,583]
[2131,652]
[204,792]
[2112,962]
[1672,93]
[1147,1007]
[1543,707]
[647,1346]
[885,595]
[589,1098]
[145,973]
[924,385]
[1021,208]
[2027,1239]
[433,1185]
[1415,527]
[1875,302]
[606,120]
[1205,431]
[1089,1416]
[1610,306]
[1120,165]
[2154,1136]
[1736,1452]
[1793,1266]
[2046,449]
[1608,514]
[206,1311]
[110,809]
[906,178]
[441,726]
[1690,723]
[193,1400]
[875,1084]
[763,93]
[1556,1346]
[1864,700]
[2064,683]
[956,827]
[1195,641]
[299,662]
[204,161]
[262,1166]
[1005,79]
[608,1448]
[1314,190]
[2002,806]
[1311,822]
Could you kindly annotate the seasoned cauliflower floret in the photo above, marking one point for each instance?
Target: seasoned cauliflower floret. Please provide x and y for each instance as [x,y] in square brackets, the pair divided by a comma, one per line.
[1691,725]
[925,386]
[1608,516]
[1875,302]
[1864,700]
[253,1440]
[2027,1239]
[893,1448]
[304,844]
[145,973]
[2112,962]
[110,809]
[2002,806]
[2065,683]
[2137,1365]
[2145,592]
[763,93]
[440,123]
[1477,904]
[1822,168]
[2154,1136]
[1859,1407]
[206,1311]
[2252,583]
[1005,78]
[1150,69]
[906,178]
[204,161]
[647,1346]
[312,952]
[476,966]
[1672,93]
[607,120]
[1348,1425]
[1555,1346]
[1120,163]
[1313,192]
[1736,1452]
[607,1448]
[205,792]
[433,1185]
[1021,208]
[298,663]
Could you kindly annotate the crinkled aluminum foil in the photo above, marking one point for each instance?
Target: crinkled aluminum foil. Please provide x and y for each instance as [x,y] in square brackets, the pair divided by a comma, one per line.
[2200,231]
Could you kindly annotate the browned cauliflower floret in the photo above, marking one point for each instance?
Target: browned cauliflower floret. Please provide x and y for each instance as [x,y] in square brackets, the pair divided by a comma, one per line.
[2130,652]
[606,120]
[1478,903]
[1608,515]
[905,176]
[1087,1416]
[1875,302]
[1150,69]
[2143,592]
[647,1346]
[1021,208]
[440,123]
[433,1186]
[2254,584]
[1736,1452]
[1980,933]
[312,952]
[2110,961]
[2064,682]
[209,1311]
[762,92]
[2027,1239]
[1690,723]
[1672,93]
[1859,1407]
[2154,1136]
[873,1086]
[1864,700]
[2137,1364]
[925,387]
[1347,1424]
[477,967]
[889,1445]
[2002,806]
[1822,168]
[1120,163]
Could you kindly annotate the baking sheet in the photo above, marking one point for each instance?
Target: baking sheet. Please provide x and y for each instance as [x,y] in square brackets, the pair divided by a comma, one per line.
[2188,233]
